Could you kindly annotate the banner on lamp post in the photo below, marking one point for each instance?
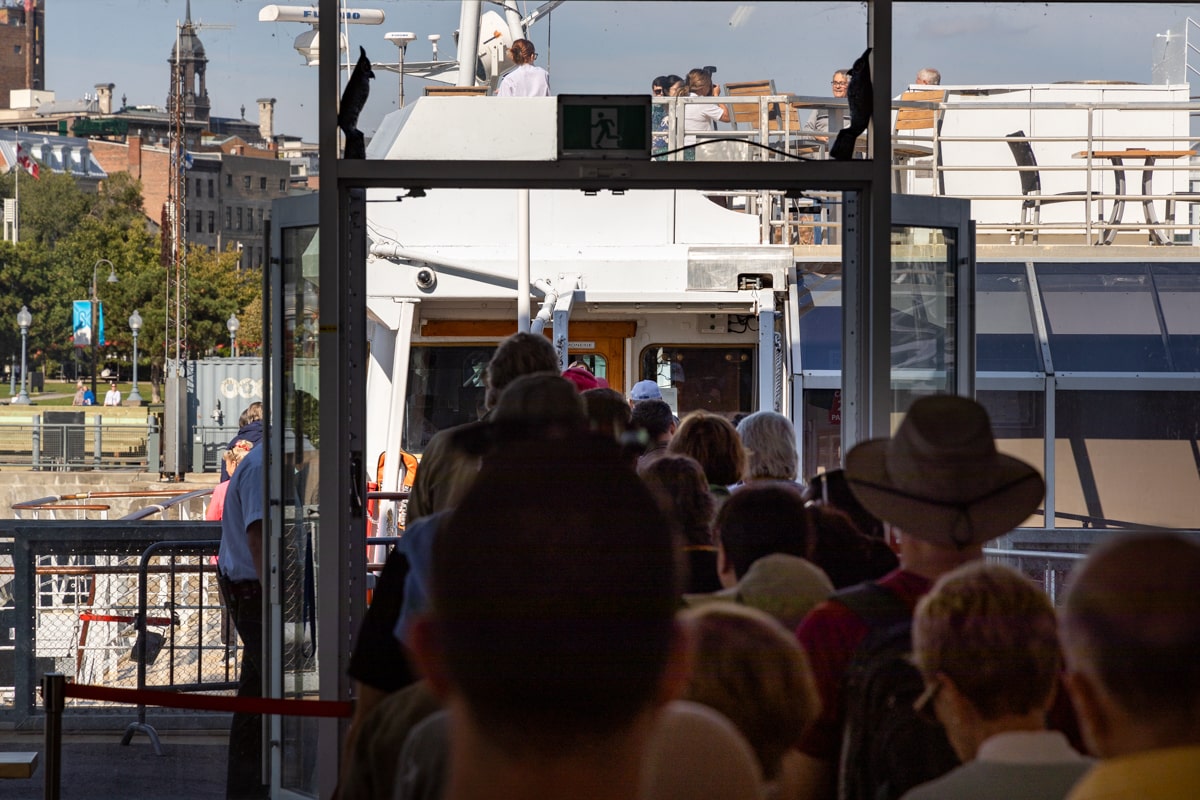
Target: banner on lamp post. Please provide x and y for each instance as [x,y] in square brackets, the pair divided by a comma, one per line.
[81,323]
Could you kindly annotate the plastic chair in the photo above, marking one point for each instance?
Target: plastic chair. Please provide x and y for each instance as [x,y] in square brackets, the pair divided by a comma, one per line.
[1031,186]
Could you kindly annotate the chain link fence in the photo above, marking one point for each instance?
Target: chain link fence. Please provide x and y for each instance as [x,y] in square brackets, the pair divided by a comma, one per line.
[69,603]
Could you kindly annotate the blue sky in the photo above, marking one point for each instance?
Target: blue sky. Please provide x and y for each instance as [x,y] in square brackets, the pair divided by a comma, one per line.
[612,47]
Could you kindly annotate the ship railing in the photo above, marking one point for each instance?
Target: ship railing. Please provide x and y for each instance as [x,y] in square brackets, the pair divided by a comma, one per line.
[956,164]
[166,504]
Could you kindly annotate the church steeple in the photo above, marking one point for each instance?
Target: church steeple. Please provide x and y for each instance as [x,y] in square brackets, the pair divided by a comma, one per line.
[187,56]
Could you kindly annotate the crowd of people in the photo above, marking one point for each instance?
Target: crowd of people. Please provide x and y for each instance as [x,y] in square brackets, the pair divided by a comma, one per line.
[594,599]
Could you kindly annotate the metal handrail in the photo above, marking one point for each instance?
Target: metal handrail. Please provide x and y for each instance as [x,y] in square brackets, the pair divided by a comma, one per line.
[1088,140]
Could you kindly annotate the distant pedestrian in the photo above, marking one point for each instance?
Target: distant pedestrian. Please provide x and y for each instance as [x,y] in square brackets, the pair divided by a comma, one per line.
[113,396]
[79,393]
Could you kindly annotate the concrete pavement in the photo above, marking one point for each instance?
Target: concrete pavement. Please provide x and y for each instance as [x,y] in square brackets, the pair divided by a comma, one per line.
[97,767]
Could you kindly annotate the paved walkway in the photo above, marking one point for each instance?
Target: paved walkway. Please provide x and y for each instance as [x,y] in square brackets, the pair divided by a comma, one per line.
[97,767]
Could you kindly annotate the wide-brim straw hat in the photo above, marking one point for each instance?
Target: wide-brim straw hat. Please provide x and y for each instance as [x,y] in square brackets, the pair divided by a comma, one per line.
[940,477]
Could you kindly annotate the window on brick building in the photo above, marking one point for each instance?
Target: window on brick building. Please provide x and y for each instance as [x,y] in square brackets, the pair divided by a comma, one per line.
[212,219]
[260,219]
[262,183]
[228,217]
[259,252]
[239,218]
[186,188]
[283,184]
[245,181]
[210,187]
[199,222]
[199,187]
[229,181]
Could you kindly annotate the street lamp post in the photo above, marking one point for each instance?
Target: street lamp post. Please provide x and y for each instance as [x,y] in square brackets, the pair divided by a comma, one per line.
[135,325]
[232,324]
[95,333]
[24,320]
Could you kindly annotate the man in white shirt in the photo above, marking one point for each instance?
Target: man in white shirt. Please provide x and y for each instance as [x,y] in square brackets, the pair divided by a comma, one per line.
[112,397]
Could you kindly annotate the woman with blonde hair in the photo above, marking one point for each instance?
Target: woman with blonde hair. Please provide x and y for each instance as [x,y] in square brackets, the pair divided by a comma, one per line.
[524,80]
[747,666]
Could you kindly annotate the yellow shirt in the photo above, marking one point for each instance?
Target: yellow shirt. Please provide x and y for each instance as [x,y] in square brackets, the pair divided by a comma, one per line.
[1169,774]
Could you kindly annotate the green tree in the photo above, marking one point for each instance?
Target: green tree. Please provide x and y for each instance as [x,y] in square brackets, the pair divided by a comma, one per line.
[216,289]
[50,207]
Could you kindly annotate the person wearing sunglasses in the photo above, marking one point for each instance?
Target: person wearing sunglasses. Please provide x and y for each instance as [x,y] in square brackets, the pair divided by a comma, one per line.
[985,641]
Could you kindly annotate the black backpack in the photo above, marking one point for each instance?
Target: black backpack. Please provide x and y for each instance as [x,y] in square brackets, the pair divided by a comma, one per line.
[887,748]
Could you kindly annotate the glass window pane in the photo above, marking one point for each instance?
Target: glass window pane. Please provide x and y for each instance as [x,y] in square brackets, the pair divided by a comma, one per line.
[1018,421]
[1178,288]
[821,322]
[923,309]
[445,388]
[716,379]
[1102,317]
[822,431]
[1004,333]
[1128,457]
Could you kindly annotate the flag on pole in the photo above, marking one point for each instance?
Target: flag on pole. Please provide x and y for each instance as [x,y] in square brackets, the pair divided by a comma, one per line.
[26,162]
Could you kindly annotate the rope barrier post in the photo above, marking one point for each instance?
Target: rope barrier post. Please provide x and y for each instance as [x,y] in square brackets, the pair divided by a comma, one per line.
[54,700]
[140,648]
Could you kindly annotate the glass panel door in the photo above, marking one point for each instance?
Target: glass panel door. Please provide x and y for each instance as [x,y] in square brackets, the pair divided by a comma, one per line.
[932,301]
[295,530]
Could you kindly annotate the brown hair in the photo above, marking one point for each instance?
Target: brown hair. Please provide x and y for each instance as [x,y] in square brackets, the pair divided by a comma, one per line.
[713,441]
[523,52]
[520,354]
[699,81]
[679,486]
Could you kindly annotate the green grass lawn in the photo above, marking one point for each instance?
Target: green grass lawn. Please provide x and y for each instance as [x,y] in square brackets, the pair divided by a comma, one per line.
[62,393]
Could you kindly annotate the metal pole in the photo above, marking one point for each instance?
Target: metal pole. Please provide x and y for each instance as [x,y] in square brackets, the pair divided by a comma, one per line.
[523,267]
[94,332]
[23,397]
[134,397]
[54,699]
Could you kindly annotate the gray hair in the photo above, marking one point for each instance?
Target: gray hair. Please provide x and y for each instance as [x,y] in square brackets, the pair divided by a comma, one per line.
[770,442]
[929,75]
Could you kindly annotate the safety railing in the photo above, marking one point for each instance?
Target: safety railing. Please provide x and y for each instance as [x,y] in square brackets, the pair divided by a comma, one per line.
[90,602]
[178,504]
[1111,165]
[45,444]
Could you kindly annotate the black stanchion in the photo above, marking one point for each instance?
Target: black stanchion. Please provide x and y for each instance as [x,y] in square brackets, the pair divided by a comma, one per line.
[141,643]
[54,700]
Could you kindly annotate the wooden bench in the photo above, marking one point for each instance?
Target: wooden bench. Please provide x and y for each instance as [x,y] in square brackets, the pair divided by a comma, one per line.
[456,91]
[18,765]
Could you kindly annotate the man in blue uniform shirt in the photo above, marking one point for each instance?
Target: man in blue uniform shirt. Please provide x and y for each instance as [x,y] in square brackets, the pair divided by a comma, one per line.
[238,574]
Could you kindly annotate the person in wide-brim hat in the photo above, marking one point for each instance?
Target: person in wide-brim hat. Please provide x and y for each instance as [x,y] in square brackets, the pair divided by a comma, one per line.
[940,477]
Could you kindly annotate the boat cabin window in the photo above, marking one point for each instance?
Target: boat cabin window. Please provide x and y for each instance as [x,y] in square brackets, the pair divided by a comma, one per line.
[445,388]
[716,379]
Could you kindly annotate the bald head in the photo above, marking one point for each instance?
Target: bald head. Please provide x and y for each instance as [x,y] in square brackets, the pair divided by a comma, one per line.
[1131,623]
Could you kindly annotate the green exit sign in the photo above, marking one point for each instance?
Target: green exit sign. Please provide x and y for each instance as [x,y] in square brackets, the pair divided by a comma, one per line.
[615,126]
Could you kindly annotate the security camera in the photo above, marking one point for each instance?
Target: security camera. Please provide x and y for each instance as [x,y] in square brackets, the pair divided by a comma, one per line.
[426,279]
